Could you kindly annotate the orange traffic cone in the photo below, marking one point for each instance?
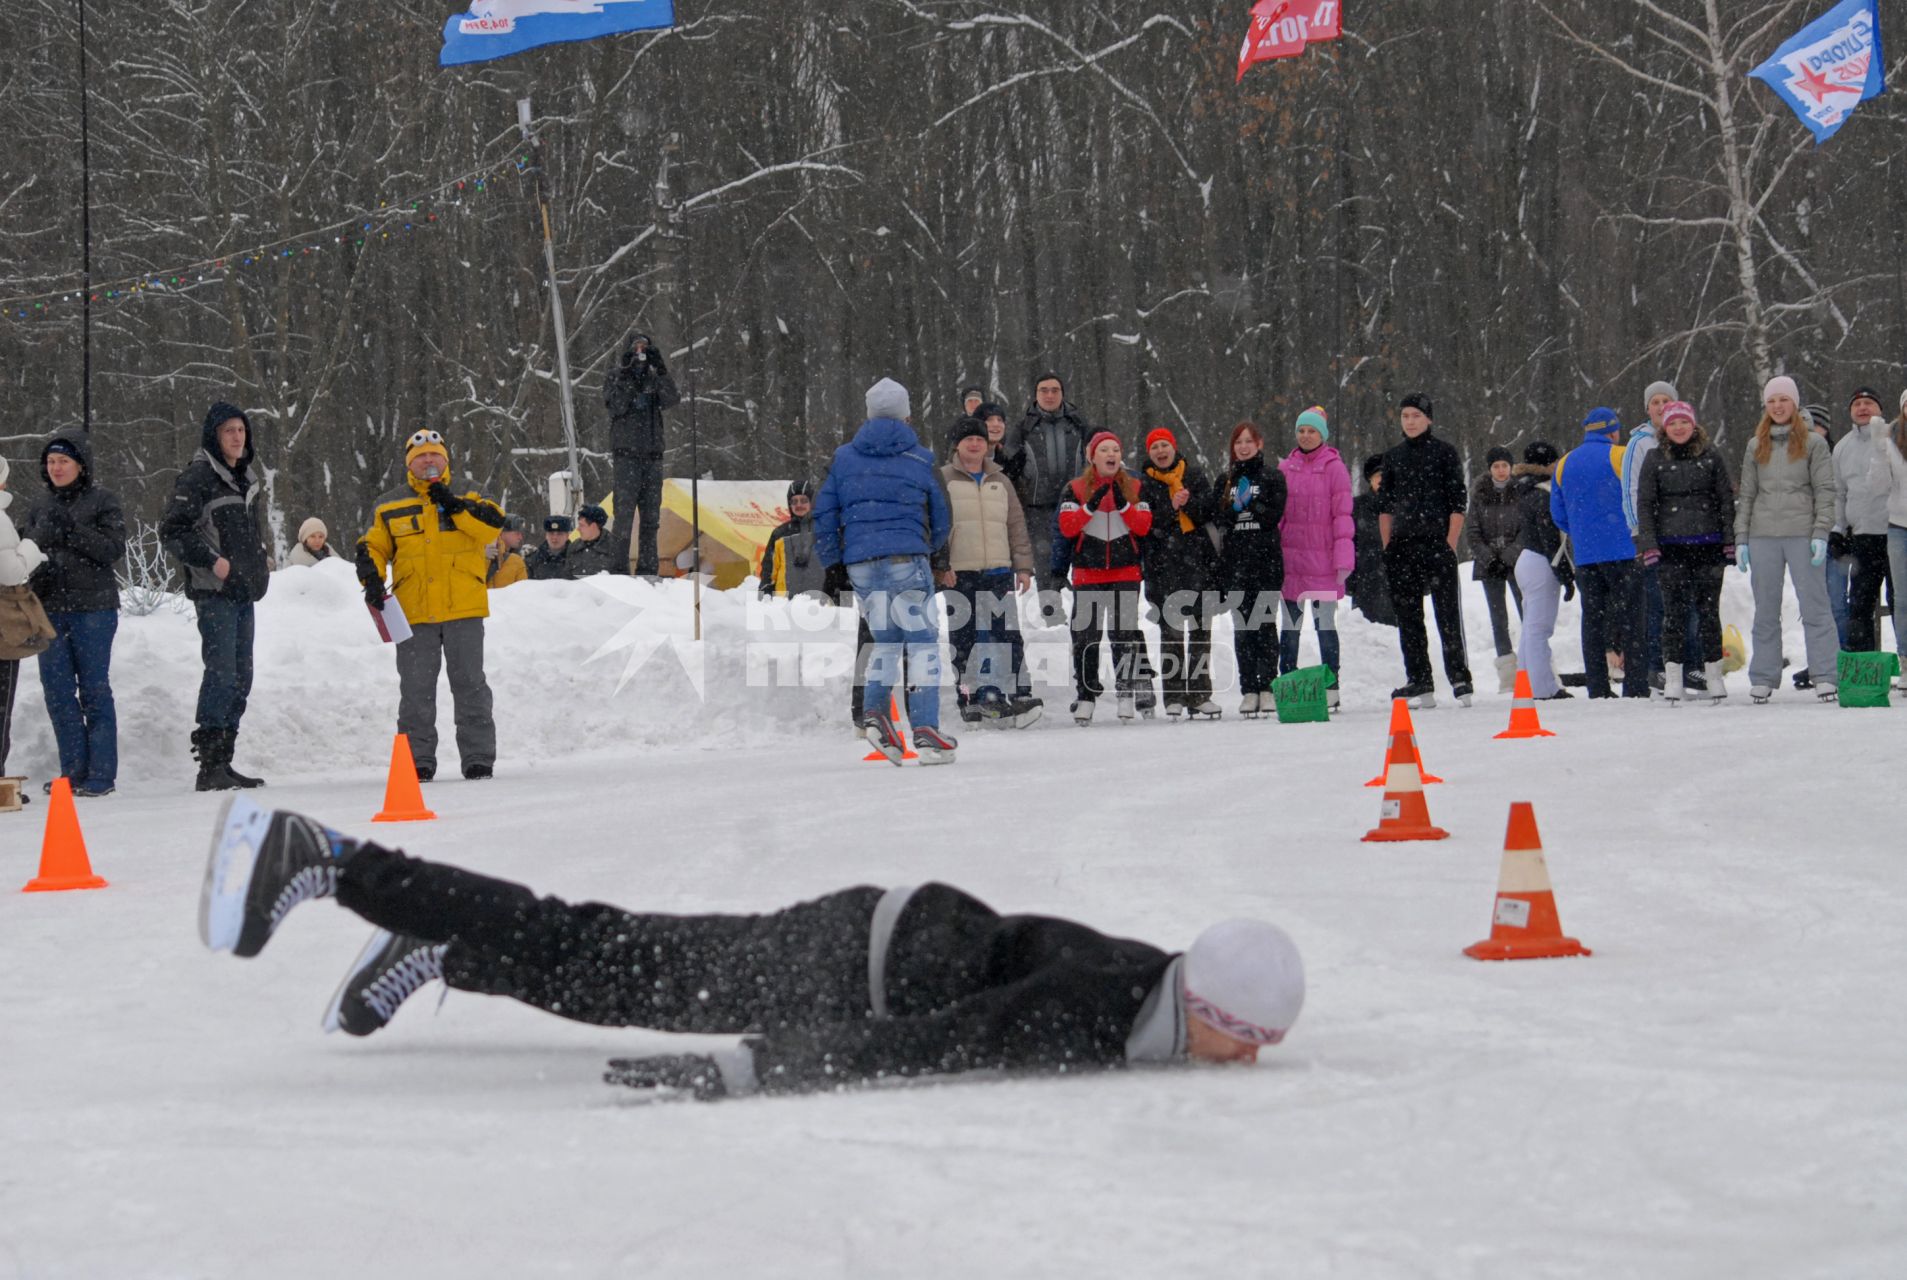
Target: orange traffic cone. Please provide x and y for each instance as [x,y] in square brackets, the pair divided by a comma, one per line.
[1404,815]
[63,861]
[1525,926]
[894,717]
[1524,722]
[1401,724]
[403,797]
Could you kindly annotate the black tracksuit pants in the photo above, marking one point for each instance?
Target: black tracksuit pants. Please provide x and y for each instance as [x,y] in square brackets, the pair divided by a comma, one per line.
[804,966]
[1114,608]
[1690,588]
[1864,592]
[1416,567]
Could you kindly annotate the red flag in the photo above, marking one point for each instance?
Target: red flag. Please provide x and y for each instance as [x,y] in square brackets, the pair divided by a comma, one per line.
[1282,28]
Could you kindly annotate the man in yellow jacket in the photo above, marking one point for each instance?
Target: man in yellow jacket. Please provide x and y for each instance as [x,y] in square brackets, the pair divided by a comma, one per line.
[432,541]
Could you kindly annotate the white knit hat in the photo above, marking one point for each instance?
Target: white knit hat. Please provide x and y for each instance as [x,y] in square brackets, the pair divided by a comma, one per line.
[1244,978]
[1781,386]
[888,399]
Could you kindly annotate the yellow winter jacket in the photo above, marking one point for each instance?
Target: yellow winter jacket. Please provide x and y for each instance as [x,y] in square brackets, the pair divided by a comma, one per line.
[509,569]
[436,561]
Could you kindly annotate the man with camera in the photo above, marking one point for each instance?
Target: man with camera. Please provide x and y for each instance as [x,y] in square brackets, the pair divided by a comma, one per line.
[635,394]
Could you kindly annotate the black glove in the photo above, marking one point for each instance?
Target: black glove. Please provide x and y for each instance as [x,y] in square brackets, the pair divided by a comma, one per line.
[655,361]
[835,582]
[374,592]
[1569,587]
[1839,547]
[694,1073]
[54,523]
[1099,495]
[446,501]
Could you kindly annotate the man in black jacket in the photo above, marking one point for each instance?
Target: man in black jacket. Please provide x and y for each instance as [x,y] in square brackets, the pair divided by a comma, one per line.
[550,562]
[635,395]
[82,530]
[855,986]
[1420,519]
[593,550]
[1043,452]
[211,525]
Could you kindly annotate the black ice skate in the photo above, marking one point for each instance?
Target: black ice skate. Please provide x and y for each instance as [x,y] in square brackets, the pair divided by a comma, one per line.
[263,863]
[1424,695]
[1462,693]
[386,973]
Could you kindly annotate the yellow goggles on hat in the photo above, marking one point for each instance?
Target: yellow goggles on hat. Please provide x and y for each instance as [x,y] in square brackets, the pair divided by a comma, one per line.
[424,437]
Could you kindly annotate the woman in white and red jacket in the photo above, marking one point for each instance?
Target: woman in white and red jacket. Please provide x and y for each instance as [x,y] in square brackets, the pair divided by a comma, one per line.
[1103,516]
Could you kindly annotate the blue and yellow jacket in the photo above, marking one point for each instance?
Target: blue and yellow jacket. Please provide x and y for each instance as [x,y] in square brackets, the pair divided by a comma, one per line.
[1585,500]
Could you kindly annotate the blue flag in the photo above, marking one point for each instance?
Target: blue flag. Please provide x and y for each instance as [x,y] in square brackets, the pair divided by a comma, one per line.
[1831,67]
[499,28]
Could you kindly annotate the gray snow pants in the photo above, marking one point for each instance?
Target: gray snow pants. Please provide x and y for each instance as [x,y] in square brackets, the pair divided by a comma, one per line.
[459,646]
[1768,560]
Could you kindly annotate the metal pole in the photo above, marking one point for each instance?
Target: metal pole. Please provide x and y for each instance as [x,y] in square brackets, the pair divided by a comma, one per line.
[1337,255]
[523,118]
[695,435]
[85,232]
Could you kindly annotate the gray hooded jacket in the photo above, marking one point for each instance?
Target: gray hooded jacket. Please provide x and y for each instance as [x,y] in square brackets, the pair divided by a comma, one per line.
[1785,499]
[1863,480]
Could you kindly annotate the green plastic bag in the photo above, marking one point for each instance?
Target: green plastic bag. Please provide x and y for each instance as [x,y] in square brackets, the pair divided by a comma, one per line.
[1866,678]
[1300,696]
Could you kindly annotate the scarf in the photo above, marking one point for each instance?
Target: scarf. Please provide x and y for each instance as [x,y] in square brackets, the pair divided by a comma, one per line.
[1173,480]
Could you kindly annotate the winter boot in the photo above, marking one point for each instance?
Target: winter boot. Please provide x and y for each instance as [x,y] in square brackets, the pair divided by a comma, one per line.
[1506,673]
[231,746]
[932,747]
[886,738]
[1672,689]
[1716,681]
[212,748]
[1128,707]
[1083,711]
[264,863]
[386,973]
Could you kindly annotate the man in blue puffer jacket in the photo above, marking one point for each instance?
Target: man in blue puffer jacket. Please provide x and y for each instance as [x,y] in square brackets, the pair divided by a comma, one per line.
[882,513]
[1585,500]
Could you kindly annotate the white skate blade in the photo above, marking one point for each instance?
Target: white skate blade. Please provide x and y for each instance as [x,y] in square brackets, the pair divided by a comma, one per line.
[331,1011]
[241,828]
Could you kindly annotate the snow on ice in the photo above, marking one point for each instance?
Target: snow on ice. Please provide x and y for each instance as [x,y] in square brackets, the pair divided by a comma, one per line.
[1718,1092]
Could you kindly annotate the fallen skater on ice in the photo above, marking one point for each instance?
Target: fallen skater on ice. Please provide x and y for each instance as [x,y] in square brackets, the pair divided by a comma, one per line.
[859,985]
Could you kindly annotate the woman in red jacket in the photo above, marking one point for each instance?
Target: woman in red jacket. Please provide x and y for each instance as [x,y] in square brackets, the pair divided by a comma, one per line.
[1103,516]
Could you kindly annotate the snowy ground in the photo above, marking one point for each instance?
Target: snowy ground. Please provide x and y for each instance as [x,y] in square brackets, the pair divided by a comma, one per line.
[1719,1091]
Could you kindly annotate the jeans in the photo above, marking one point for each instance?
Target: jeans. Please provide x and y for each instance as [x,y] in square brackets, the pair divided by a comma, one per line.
[9,685]
[984,617]
[1542,594]
[76,678]
[1414,567]
[1494,589]
[457,645]
[1838,572]
[1114,608]
[225,646]
[1324,616]
[896,595]
[1613,619]
[1768,560]
[1897,568]
[639,504]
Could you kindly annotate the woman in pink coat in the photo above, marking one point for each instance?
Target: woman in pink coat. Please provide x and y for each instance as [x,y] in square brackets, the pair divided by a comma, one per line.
[1320,541]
